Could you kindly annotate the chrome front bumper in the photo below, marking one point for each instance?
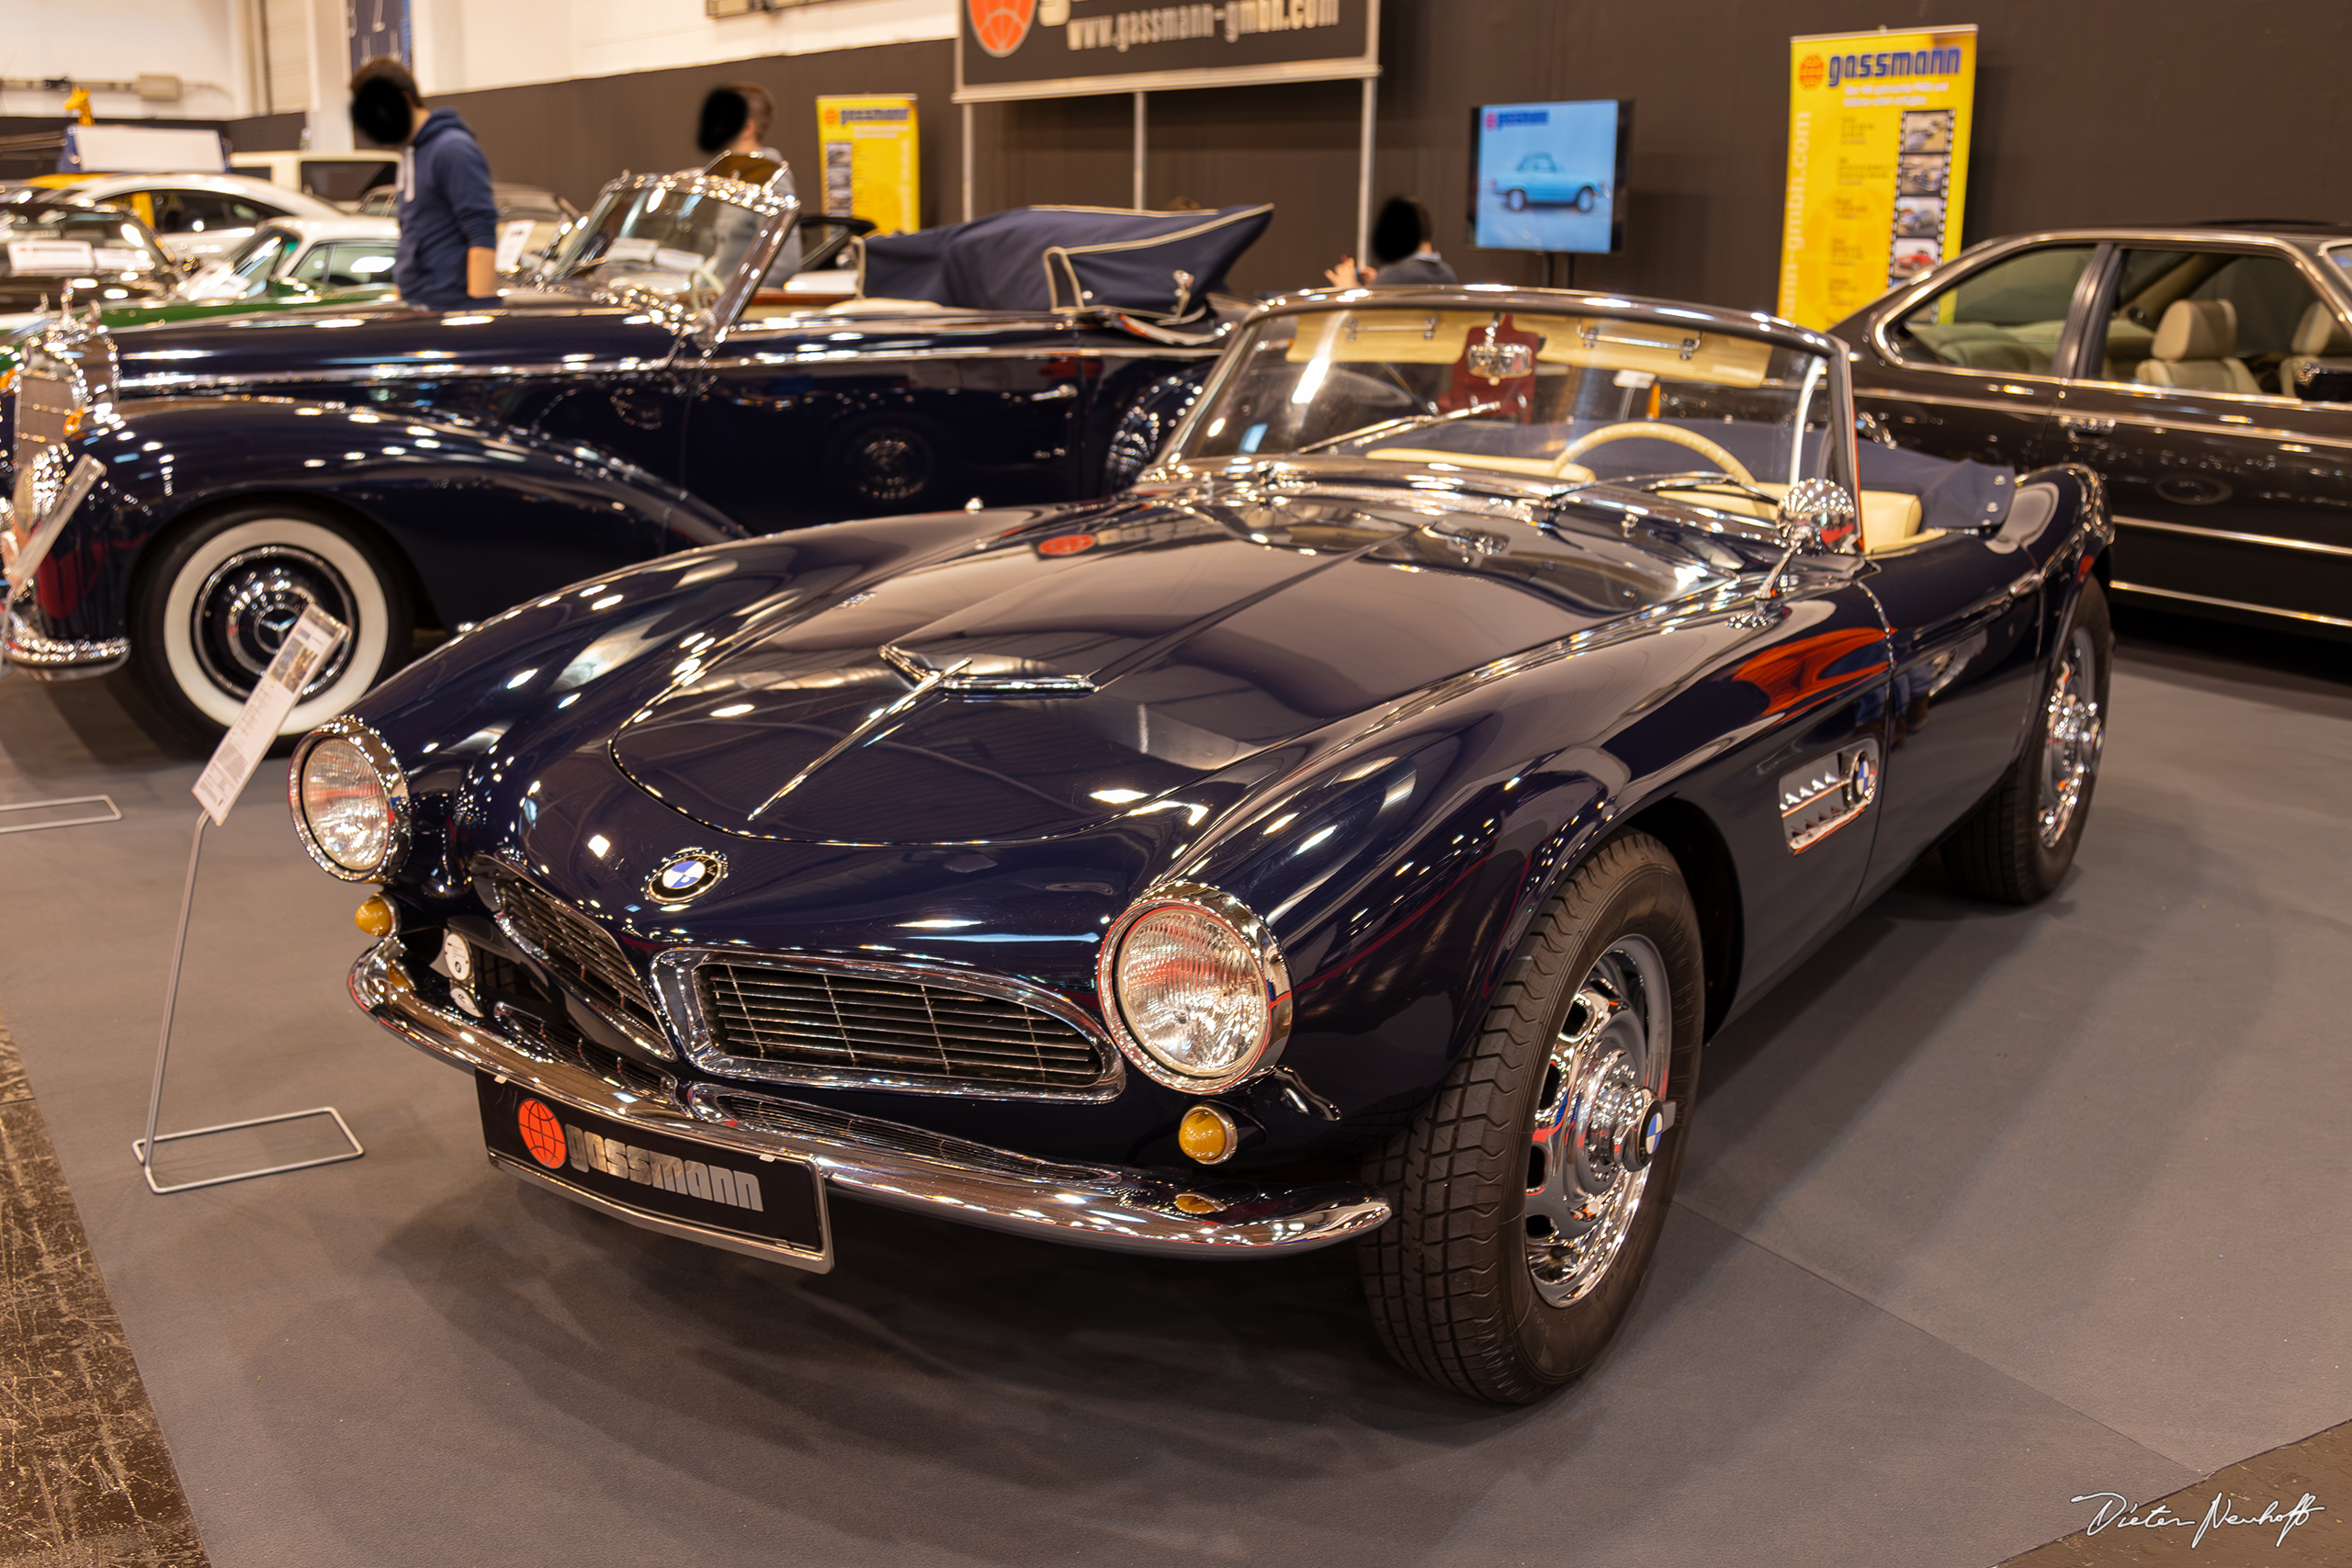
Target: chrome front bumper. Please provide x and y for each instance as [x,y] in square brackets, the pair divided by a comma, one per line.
[46,658]
[1109,1206]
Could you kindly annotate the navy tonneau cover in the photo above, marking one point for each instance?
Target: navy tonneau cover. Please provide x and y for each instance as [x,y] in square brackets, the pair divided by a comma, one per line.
[1159,265]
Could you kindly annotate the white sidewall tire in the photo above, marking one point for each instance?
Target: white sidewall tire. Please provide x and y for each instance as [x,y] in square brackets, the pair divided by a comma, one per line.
[371,611]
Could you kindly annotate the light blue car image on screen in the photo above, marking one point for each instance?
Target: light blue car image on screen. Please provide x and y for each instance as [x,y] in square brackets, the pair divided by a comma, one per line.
[1546,175]
[1538,182]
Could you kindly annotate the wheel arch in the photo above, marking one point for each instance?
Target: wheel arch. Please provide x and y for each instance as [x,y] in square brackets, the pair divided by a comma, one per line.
[1698,847]
[298,502]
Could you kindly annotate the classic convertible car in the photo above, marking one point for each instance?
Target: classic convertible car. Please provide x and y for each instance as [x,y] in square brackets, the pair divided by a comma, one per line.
[405,468]
[2205,373]
[1351,833]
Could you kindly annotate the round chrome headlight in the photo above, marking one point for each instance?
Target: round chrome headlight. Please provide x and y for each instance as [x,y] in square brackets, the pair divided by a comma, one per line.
[350,801]
[1194,987]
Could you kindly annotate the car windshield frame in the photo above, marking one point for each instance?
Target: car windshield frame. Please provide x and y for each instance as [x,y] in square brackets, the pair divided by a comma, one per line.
[580,259]
[1182,456]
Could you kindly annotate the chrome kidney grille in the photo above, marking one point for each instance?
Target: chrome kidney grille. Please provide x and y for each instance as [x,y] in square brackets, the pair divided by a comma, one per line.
[582,954]
[46,404]
[856,1025]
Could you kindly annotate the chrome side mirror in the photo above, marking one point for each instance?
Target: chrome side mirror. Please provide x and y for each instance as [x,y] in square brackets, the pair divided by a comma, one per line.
[1816,517]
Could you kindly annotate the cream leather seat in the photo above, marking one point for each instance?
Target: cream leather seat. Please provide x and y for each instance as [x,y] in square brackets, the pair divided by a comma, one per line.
[2197,346]
[2321,335]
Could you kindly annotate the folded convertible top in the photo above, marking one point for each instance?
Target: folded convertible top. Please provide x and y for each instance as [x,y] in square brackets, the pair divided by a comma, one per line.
[1160,266]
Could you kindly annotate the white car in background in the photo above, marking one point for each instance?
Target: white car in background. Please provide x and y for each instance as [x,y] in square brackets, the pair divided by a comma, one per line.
[341,178]
[301,260]
[198,216]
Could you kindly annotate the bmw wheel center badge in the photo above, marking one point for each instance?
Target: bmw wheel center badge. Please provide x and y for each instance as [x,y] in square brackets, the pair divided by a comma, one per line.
[689,873]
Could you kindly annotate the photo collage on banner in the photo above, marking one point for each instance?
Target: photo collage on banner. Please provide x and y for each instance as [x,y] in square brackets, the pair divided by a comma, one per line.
[1878,164]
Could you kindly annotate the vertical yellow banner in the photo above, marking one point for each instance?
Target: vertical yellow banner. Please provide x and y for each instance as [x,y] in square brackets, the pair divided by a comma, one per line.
[871,168]
[1878,163]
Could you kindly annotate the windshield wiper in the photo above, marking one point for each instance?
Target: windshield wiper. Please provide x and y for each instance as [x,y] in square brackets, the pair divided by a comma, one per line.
[1397,426]
[1666,484]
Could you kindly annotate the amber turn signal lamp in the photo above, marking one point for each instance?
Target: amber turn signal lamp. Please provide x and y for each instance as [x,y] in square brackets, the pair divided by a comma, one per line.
[1207,1134]
[374,917]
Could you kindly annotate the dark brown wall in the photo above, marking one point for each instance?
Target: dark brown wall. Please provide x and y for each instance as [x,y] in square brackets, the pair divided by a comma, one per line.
[571,137]
[2087,111]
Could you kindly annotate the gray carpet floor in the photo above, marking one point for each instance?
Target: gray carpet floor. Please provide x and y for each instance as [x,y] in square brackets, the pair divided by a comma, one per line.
[1984,1209]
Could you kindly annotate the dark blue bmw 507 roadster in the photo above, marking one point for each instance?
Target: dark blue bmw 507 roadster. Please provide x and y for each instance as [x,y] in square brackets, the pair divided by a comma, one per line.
[1351,833]
[667,382]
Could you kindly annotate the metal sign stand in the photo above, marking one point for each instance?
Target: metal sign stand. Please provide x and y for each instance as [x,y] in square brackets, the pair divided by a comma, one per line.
[306,647]
[114,812]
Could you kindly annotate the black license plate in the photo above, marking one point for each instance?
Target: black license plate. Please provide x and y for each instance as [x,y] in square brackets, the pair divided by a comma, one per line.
[772,1208]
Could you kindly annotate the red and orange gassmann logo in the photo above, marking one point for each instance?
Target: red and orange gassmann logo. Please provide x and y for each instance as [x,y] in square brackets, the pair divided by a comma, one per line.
[1810,71]
[542,1134]
[1001,25]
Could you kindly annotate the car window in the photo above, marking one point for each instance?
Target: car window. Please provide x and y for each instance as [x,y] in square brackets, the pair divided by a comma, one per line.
[360,265]
[202,211]
[345,179]
[260,255]
[2006,316]
[2236,331]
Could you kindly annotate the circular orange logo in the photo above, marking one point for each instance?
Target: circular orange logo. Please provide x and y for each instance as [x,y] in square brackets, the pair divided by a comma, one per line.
[542,1135]
[1809,71]
[1001,25]
[1065,543]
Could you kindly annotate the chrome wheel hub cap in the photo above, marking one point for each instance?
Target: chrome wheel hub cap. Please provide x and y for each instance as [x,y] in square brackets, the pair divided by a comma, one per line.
[1599,1122]
[2073,732]
[249,603]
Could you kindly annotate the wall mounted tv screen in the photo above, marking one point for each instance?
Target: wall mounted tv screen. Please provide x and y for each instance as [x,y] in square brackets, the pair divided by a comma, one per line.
[1549,176]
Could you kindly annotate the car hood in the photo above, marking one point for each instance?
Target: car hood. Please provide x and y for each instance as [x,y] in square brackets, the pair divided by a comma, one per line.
[1050,681]
[377,338]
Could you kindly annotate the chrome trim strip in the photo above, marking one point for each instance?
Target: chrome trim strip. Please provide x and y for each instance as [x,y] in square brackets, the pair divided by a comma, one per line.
[2023,406]
[674,974]
[2273,540]
[2230,605]
[2193,424]
[45,658]
[767,1252]
[1119,1208]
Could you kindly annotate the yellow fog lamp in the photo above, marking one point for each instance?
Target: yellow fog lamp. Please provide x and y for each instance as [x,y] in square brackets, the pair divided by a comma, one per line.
[375,916]
[1208,1134]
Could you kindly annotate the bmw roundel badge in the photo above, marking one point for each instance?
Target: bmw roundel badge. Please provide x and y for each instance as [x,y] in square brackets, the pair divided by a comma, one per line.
[689,873]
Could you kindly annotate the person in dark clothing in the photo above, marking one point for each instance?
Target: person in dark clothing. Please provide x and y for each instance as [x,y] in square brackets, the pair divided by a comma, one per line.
[1400,241]
[449,248]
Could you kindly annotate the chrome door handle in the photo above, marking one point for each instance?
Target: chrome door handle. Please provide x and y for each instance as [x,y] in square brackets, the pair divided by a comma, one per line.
[2087,424]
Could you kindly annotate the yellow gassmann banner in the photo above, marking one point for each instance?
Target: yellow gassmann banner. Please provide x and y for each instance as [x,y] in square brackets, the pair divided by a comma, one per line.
[872,163]
[1878,163]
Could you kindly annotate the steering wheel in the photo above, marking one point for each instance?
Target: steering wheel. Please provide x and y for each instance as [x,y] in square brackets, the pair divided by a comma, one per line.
[1568,467]
[703,286]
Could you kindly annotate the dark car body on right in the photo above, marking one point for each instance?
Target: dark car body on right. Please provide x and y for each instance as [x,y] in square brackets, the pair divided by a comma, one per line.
[2205,371]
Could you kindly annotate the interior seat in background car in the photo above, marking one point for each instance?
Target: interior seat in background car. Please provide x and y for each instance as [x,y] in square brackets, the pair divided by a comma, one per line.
[2196,347]
[2321,335]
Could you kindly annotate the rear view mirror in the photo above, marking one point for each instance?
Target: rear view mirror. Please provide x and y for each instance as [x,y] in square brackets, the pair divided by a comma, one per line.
[2325,381]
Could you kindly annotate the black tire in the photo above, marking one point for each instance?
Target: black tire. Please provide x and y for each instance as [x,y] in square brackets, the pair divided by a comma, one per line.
[891,465]
[1586,196]
[1514,201]
[2006,850]
[1451,1279]
[212,606]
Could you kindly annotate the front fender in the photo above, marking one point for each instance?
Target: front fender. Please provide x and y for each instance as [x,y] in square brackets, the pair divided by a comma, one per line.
[483,518]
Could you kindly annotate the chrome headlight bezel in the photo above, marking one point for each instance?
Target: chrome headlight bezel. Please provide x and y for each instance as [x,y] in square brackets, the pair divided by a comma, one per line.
[1273,975]
[390,778]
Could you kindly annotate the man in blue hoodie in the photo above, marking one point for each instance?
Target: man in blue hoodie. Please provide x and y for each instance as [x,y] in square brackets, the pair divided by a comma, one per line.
[448,255]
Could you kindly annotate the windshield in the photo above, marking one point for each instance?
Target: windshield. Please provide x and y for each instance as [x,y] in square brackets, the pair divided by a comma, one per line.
[1555,395]
[680,244]
[73,244]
